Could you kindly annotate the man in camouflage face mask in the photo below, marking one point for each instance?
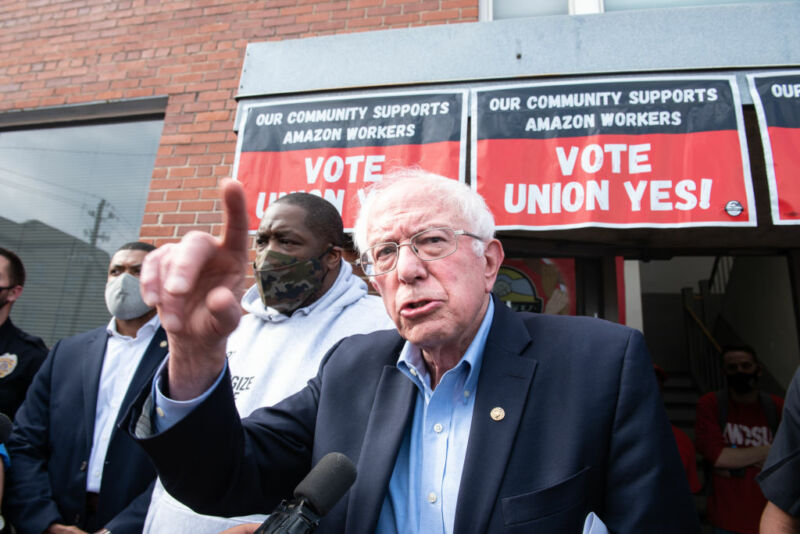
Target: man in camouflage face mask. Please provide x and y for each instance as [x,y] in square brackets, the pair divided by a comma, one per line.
[298,255]
[286,282]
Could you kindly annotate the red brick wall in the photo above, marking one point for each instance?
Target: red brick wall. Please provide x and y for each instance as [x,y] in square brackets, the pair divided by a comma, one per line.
[59,52]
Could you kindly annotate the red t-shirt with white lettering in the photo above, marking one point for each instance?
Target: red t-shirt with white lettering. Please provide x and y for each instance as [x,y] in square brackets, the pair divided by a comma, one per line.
[735,504]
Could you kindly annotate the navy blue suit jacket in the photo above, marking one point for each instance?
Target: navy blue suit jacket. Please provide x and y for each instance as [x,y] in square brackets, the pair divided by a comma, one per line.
[52,440]
[584,430]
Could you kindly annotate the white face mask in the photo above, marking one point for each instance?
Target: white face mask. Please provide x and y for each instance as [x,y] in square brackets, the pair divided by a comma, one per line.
[124,299]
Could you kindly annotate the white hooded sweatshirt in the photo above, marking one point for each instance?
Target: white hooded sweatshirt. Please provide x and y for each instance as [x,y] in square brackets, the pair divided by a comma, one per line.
[272,356]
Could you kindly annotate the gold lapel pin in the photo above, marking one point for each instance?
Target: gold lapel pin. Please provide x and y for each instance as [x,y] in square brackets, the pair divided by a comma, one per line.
[163,344]
[497,413]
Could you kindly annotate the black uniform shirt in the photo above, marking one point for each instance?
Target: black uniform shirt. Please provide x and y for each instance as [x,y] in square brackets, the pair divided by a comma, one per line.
[21,355]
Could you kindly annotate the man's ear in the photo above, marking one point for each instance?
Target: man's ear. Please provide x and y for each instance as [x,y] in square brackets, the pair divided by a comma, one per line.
[494,255]
[14,293]
[333,258]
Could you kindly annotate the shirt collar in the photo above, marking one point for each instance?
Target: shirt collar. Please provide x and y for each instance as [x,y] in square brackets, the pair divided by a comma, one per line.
[412,365]
[7,325]
[146,329]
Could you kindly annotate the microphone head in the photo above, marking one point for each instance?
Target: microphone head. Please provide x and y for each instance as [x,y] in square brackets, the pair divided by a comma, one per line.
[5,427]
[327,482]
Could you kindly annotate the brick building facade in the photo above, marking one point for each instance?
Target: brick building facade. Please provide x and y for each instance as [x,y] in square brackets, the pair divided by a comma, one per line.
[64,54]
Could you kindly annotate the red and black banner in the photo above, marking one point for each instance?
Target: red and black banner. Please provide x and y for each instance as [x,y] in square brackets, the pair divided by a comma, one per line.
[634,152]
[337,147]
[777,100]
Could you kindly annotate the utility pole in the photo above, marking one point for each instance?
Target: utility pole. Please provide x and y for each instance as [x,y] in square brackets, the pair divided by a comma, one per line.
[94,236]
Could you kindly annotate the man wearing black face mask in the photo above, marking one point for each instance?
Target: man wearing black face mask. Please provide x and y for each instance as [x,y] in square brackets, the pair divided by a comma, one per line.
[305,299]
[734,429]
[72,470]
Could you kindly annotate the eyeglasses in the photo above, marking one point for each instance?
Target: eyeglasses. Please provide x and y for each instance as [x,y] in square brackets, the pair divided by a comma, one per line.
[7,287]
[428,245]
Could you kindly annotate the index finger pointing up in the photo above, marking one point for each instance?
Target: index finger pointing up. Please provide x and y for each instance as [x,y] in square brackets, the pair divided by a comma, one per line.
[234,236]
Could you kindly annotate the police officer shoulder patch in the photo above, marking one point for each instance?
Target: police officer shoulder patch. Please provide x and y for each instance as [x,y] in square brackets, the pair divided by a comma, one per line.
[8,362]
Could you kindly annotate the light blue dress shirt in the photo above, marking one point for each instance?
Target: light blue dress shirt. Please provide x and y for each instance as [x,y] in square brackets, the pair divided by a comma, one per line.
[168,411]
[423,490]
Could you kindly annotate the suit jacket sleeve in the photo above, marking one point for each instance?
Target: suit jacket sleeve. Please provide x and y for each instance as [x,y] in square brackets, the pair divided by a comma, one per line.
[28,500]
[646,487]
[239,481]
[778,479]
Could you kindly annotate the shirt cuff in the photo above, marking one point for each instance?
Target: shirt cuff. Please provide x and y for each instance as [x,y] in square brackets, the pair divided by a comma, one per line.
[169,412]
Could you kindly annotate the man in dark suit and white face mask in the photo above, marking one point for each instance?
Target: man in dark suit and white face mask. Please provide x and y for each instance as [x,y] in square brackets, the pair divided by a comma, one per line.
[123,298]
[72,470]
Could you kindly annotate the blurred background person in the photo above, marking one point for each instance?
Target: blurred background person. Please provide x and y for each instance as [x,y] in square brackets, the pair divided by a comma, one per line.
[21,354]
[734,429]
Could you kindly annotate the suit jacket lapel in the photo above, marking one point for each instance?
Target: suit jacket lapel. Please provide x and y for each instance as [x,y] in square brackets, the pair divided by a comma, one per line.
[155,353]
[504,383]
[393,405]
[92,366]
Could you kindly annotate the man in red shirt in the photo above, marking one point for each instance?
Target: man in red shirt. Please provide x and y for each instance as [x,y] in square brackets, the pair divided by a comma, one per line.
[734,430]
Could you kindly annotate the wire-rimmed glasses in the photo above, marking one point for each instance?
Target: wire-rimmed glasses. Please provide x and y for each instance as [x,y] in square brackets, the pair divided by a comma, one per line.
[428,245]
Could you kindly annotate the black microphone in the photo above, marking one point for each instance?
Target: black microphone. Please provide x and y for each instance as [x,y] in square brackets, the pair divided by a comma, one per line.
[314,497]
[5,427]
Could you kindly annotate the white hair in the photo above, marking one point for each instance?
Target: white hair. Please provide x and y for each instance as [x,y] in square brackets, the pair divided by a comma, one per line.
[451,194]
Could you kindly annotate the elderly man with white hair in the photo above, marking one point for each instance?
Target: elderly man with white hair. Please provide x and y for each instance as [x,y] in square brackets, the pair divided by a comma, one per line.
[468,418]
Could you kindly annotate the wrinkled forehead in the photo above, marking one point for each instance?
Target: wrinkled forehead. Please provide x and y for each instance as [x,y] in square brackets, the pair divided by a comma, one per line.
[403,211]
